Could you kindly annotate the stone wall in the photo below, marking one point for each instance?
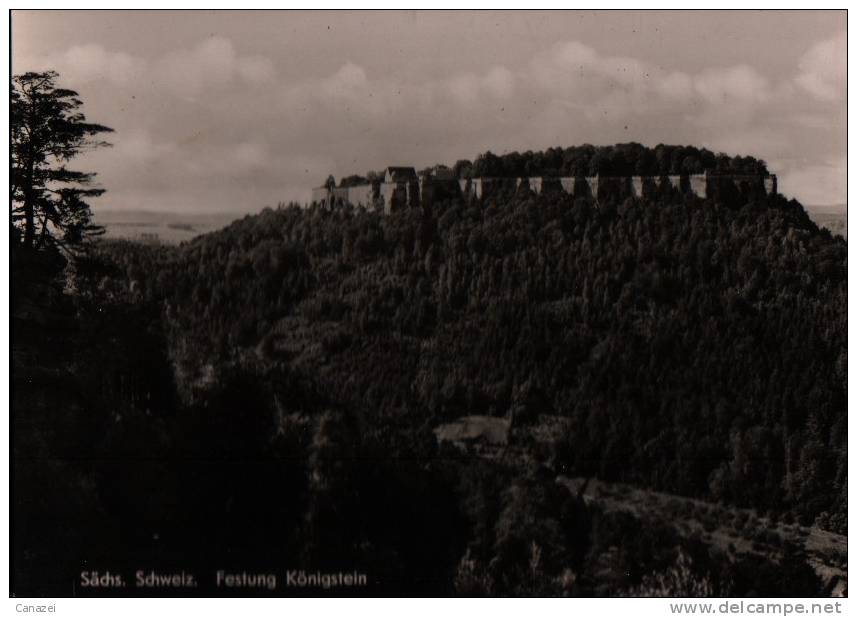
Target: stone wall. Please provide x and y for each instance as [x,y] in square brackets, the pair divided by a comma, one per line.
[394,195]
[360,195]
[770,185]
[319,195]
[592,183]
[699,185]
[672,181]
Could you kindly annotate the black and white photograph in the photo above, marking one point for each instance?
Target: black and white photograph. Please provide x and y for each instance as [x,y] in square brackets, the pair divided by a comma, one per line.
[429,304]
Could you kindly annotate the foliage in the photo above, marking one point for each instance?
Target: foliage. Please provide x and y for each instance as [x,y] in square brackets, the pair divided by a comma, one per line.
[48,130]
[353,180]
[679,580]
[630,159]
[694,347]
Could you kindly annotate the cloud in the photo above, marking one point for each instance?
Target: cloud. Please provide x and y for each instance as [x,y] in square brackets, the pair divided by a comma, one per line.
[209,123]
[90,62]
[84,64]
[138,148]
[209,67]
[733,84]
[256,69]
[349,79]
[469,89]
[579,73]
[499,82]
[823,69]
[676,86]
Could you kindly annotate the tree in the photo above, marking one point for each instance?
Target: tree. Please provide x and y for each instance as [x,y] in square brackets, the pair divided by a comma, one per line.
[353,180]
[47,131]
[462,169]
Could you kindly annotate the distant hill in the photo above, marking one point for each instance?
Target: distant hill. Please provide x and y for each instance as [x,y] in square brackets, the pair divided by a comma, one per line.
[158,227]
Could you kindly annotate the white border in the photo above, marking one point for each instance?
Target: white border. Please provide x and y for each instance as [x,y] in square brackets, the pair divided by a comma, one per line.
[397,607]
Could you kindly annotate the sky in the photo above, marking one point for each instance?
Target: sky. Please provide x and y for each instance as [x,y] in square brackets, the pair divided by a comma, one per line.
[233,111]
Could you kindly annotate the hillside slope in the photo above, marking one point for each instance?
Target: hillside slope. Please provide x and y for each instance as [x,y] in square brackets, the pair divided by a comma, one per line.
[695,347]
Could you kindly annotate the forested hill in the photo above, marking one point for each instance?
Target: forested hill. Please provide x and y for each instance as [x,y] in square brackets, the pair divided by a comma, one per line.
[695,347]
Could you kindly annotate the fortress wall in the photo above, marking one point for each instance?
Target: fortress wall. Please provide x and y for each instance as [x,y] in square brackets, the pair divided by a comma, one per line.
[592,183]
[698,184]
[671,181]
[551,184]
[492,186]
[339,194]
[400,194]
[426,190]
[581,187]
[393,195]
[441,189]
[412,194]
[730,185]
[770,184]
[737,179]
[650,186]
[362,195]
[643,186]
[721,187]
[612,185]
[320,195]
[525,183]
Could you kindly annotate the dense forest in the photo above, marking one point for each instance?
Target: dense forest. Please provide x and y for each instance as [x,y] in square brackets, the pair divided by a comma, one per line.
[629,159]
[273,387]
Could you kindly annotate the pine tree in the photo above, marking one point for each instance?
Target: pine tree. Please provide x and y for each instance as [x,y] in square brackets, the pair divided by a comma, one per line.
[47,131]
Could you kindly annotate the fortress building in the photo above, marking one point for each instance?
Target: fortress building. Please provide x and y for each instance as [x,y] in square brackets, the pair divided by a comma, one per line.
[402,187]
